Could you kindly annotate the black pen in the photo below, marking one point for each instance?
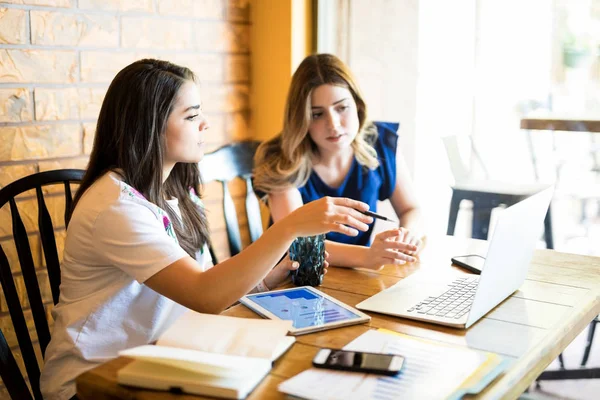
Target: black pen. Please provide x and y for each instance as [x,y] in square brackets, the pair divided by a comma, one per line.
[378,216]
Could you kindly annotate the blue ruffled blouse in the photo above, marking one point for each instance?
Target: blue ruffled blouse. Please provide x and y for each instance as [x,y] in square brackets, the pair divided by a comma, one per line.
[361,183]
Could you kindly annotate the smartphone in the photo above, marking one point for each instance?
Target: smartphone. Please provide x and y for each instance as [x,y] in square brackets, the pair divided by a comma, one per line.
[357,361]
[471,262]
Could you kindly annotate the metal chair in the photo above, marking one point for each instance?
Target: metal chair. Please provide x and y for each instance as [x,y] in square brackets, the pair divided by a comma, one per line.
[224,164]
[585,189]
[11,375]
[485,194]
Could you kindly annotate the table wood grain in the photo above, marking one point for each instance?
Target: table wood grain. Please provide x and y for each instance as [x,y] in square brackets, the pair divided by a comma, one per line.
[555,123]
[559,298]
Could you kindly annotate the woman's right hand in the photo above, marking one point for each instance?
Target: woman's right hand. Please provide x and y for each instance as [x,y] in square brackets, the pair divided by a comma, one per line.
[328,214]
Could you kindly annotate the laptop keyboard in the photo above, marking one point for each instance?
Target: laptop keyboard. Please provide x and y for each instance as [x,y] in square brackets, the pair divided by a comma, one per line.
[454,303]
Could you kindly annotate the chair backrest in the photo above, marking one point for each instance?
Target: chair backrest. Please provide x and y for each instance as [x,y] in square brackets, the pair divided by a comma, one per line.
[223,165]
[10,373]
[458,165]
[554,151]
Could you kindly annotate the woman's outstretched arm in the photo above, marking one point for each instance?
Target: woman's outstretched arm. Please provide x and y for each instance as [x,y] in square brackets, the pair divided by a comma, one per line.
[384,249]
[213,290]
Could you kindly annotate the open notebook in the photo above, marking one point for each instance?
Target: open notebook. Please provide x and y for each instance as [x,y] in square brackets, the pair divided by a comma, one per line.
[431,370]
[208,355]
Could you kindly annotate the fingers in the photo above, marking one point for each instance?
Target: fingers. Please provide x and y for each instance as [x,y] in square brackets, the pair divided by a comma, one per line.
[392,233]
[422,243]
[416,241]
[365,219]
[334,215]
[396,255]
[353,221]
[346,230]
[406,236]
[346,202]
[349,211]
[401,246]
[288,265]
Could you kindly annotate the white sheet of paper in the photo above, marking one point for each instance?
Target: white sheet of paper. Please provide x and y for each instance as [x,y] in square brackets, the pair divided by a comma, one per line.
[430,371]
[226,335]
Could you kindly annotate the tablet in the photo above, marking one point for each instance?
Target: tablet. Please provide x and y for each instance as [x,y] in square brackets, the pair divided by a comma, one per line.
[309,309]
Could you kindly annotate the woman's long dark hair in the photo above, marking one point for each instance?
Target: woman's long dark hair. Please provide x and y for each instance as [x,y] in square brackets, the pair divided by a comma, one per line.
[130,139]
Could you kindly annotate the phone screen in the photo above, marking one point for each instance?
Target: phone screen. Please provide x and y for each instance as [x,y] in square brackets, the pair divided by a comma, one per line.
[362,361]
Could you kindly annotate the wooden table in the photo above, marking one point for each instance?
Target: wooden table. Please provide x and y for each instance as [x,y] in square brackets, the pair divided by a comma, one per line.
[556,123]
[559,298]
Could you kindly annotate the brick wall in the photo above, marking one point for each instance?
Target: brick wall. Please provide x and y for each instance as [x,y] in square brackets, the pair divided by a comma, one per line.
[57,58]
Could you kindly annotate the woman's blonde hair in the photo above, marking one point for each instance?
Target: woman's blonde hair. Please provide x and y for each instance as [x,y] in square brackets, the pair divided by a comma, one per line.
[286,160]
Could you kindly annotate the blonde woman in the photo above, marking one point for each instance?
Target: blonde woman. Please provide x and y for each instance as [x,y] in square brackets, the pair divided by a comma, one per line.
[329,148]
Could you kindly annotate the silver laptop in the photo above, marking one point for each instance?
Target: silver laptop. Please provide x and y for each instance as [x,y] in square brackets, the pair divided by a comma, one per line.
[460,300]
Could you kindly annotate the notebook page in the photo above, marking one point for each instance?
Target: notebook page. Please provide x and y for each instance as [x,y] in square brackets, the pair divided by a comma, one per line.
[227,335]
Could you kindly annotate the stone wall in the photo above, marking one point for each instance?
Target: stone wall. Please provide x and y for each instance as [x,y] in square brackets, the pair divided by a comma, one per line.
[57,58]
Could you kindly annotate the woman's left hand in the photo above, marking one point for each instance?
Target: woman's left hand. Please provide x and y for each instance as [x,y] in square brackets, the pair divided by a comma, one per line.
[281,272]
[406,236]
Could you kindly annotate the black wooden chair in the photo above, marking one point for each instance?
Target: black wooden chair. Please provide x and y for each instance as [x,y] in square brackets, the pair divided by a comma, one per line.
[224,164]
[13,380]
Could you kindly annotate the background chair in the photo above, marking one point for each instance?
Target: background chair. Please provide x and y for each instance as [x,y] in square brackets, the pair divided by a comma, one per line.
[571,159]
[485,194]
[11,375]
[234,160]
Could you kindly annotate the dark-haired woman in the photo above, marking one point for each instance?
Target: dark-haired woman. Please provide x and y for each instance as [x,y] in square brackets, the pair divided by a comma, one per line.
[135,255]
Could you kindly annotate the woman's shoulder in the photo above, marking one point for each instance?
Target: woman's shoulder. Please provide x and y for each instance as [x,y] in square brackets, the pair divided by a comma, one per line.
[387,126]
[110,194]
[131,199]
[103,192]
[387,134]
